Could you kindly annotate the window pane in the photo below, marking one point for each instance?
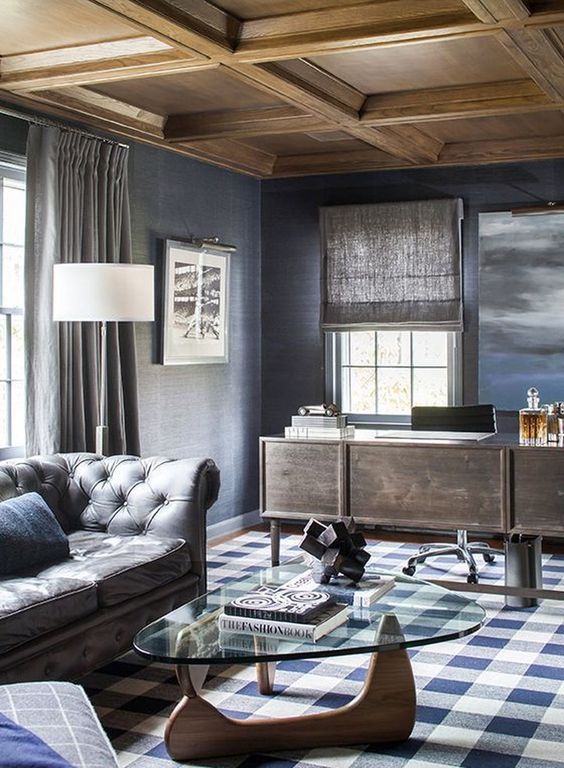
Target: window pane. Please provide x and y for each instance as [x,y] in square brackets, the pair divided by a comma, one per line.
[18,411]
[429,348]
[430,386]
[363,390]
[362,348]
[393,348]
[3,415]
[394,391]
[12,276]
[17,347]
[13,224]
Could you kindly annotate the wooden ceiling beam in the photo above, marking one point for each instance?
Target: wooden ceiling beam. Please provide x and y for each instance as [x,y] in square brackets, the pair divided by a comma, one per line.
[193,25]
[463,153]
[480,100]
[491,11]
[95,63]
[312,89]
[233,154]
[541,54]
[241,122]
[368,24]
[87,103]
[402,141]
[502,150]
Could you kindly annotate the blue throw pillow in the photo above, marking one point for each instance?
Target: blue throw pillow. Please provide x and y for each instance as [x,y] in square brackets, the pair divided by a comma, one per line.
[30,535]
[21,748]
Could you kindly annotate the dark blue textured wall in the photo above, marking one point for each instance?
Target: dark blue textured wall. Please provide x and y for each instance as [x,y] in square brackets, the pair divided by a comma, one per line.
[197,410]
[292,353]
[202,410]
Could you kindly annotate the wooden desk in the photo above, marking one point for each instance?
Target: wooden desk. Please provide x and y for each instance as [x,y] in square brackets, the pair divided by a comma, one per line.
[493,485]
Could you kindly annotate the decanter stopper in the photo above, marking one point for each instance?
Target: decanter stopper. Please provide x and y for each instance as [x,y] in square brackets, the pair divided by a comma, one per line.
[533,397]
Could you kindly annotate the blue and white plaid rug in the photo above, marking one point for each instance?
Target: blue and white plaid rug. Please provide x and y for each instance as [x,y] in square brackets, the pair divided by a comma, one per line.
[492,700]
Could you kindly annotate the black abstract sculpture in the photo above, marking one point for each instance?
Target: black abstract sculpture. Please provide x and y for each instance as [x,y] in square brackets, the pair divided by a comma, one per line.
[337,547]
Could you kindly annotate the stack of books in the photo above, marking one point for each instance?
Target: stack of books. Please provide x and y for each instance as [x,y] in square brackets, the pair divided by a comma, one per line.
[361,595]
[299,610]
[319,426]
[283,612]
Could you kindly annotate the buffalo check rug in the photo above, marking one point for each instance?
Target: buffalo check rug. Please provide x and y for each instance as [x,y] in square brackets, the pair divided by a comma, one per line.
[494,699]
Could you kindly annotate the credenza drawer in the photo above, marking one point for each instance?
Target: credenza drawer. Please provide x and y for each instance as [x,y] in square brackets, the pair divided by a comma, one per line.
[302,479]
[425,486]
[537,479]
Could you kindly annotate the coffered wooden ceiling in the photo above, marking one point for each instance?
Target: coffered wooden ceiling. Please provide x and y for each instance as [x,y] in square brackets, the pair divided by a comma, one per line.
[294,87]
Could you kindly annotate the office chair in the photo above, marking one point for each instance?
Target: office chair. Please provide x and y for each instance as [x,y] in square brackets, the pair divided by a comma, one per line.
[466,418]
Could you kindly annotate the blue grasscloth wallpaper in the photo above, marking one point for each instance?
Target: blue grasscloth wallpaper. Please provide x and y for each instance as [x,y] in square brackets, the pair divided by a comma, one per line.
[197,410]
[292,349]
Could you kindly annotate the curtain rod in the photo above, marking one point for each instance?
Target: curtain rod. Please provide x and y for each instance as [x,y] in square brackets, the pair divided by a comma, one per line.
[57,124]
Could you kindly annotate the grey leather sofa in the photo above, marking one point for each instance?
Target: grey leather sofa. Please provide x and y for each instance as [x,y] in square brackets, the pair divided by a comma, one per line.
[137,536]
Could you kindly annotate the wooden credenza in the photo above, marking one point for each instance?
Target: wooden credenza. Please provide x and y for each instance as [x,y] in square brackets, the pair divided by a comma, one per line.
[493,486]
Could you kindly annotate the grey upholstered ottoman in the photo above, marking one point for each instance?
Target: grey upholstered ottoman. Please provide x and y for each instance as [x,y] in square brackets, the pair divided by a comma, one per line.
[61,715]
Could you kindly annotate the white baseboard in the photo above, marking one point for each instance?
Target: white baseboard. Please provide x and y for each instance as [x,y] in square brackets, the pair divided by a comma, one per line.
[233,524]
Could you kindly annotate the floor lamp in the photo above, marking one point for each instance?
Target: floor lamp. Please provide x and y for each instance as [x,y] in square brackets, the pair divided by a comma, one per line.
[103,293]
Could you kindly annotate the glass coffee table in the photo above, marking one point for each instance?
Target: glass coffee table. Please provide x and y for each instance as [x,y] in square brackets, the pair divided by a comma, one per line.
[413,613]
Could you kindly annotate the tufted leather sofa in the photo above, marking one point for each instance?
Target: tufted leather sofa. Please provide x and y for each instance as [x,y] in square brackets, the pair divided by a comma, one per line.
[137,536]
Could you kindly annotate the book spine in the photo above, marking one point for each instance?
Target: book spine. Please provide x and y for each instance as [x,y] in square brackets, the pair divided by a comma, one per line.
[302,432]
[274,628]
[327,422]
[268,615]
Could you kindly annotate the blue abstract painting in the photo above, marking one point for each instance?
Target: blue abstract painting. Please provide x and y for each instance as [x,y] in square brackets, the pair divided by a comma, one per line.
[521,308]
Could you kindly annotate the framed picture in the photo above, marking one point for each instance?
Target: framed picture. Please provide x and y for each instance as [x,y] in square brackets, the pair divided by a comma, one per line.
[195,316]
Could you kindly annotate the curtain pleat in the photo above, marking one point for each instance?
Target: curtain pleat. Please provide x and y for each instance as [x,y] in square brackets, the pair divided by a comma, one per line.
[79,186]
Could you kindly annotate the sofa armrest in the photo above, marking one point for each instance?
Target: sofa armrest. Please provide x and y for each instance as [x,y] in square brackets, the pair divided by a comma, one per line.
[189,487]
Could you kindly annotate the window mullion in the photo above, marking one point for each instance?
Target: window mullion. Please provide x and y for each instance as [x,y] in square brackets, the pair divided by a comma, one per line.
[9,379]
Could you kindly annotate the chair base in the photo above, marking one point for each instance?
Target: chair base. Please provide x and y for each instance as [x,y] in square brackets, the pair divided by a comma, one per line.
[463,550]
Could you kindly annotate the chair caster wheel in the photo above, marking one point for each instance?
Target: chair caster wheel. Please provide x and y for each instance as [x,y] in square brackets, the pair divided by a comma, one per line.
[489,558]
[472,578]
[409,570]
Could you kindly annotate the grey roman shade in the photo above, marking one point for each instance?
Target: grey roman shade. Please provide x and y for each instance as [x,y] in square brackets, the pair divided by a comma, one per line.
[391,264]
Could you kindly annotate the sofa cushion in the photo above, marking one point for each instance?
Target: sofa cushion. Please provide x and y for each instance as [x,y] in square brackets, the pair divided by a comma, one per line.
[60,715]
[122,566]
[31,606]
[30,535]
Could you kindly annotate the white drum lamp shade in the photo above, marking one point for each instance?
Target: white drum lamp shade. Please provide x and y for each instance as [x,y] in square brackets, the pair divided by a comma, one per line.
[103,292]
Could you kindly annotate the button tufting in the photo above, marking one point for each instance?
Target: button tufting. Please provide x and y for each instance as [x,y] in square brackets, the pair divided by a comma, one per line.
[125,503]
[165,501]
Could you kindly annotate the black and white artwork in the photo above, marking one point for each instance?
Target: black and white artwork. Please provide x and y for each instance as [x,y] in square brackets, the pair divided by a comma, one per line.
[521,308]
[195,305]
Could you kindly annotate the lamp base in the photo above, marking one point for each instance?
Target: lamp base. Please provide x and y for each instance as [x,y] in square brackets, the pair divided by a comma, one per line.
[102,439]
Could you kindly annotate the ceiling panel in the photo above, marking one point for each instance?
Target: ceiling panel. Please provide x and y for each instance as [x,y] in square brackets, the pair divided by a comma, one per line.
[545,5]
[29,25]
[424,65]
[259,9]
[302,144]
[187,93]
[507,127]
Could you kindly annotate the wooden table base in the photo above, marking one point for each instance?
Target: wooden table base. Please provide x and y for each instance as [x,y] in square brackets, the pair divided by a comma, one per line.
[384,711]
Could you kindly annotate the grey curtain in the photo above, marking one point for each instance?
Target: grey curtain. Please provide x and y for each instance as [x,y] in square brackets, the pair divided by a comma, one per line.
[77,211]
[391,264]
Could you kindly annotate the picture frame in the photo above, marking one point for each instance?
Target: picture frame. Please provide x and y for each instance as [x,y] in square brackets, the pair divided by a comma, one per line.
[195,319]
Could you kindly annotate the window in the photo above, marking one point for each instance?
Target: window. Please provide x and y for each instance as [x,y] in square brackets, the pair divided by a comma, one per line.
[12,232]
[380,375]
